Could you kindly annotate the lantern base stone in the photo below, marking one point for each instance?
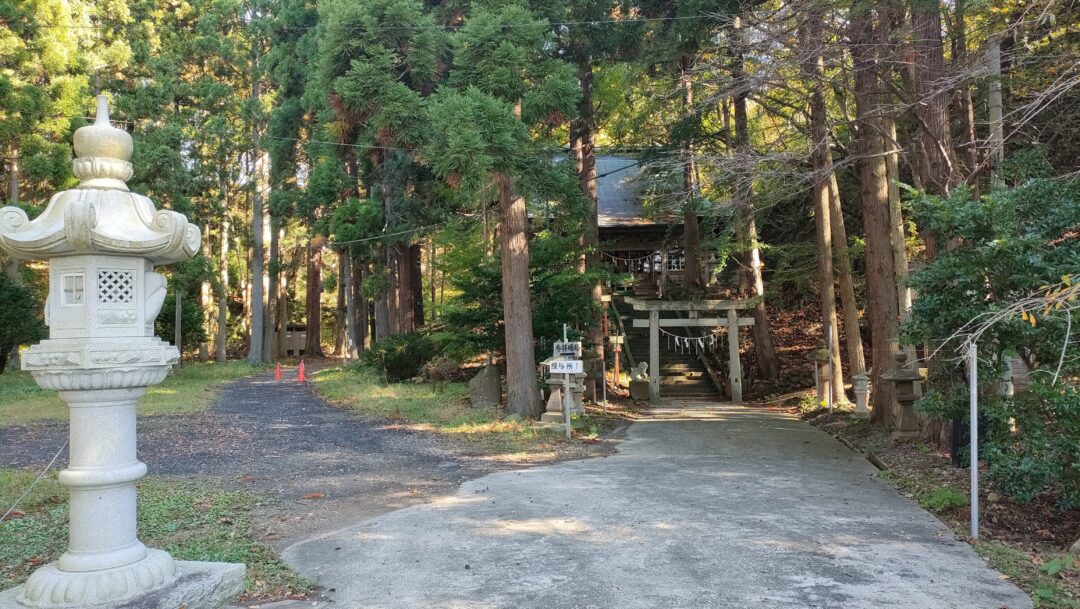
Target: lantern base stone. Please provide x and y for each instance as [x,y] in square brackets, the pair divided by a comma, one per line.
[196,585]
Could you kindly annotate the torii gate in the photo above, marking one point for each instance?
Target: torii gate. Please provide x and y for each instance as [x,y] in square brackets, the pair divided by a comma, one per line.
[731,321]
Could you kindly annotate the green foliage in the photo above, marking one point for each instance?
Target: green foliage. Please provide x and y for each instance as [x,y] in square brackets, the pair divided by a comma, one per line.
[19,321]
[1043,454]
[192,331]
[943,499]
[471,321]
[1007,246]
[400,357]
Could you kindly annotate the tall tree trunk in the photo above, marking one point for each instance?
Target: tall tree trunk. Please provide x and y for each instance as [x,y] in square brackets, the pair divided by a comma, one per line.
[814,72]
[283,312]
[746,225]
[223,292]
[896,218]
[313,301]
[932,105]
[522,393]
[347,288]
[867,45]
[273,289]
[967,106]
[586,135]
[258,267]
[381,311]
[691,230]
[255,350]
[416,286]
[360,317]
[850,307]
[434,313]
[341,311]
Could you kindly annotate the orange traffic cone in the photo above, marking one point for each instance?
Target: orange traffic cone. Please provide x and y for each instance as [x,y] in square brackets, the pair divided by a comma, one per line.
[302,376]
[277,372]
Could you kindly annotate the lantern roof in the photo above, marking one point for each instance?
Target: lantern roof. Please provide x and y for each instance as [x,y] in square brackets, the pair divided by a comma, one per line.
[100,215]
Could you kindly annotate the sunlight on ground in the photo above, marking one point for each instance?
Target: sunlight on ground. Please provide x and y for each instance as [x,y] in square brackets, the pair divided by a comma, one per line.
[422,407]
[191,388]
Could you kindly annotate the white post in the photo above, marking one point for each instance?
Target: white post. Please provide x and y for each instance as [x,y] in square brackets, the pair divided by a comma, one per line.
[567,401]
[973,415]
[654,356]
[734,365]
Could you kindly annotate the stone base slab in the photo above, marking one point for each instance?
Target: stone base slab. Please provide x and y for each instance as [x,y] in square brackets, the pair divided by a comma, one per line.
[553,417]
[199,585]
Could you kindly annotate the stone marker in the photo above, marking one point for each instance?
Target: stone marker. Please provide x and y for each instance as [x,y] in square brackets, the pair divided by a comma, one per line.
[860,383]
[485,389]
[102,243]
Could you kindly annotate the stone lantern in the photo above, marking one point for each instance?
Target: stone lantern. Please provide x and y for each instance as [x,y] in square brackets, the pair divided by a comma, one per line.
[904,378]
[102,243]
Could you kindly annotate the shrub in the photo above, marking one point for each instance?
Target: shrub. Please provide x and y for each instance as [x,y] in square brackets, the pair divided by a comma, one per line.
[1034,442]
[400,357]
[440,370]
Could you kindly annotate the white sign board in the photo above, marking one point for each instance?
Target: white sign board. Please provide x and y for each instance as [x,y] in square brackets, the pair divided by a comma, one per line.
[567,348]
[566,366]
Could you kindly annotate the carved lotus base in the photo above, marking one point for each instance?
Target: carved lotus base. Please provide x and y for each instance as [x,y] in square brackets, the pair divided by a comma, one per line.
[99,363]
[50,588]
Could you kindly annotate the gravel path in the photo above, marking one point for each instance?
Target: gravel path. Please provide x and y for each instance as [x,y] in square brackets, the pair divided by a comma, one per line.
[326,467]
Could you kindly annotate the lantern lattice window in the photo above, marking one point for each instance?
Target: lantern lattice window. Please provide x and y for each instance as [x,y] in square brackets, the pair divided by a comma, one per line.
[116,287]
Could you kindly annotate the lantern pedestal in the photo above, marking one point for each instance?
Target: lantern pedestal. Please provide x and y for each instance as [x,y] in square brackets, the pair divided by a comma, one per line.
[102,243]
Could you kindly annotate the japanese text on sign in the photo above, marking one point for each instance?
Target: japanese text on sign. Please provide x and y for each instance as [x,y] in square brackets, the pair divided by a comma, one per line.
[566,366]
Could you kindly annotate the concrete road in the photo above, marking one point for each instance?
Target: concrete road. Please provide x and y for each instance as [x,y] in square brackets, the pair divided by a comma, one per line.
[713,507]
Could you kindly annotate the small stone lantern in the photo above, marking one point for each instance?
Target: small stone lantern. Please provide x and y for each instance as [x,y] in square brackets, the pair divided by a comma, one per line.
[102,243]
[904,378]
[860,384]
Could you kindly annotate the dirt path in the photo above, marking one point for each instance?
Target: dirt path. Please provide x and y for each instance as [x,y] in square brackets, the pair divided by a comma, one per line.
[325,467]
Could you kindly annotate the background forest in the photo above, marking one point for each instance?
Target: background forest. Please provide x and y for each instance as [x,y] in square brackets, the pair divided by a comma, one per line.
[412,179]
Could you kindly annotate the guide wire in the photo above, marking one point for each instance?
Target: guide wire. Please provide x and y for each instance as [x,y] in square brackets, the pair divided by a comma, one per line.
[34,483]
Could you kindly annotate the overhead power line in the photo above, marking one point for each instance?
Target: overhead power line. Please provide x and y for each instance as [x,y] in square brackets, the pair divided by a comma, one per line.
[432,26]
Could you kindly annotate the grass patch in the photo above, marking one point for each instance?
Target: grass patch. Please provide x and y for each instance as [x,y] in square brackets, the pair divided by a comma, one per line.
[942,499]
[421,406]
[1043,579]
[191,388]
[191,520]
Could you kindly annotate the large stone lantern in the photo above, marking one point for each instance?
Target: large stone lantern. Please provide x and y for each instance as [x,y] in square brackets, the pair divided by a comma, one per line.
[102,243]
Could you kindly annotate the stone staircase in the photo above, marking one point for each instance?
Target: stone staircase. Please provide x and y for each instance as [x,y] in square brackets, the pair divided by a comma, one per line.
[682,375]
